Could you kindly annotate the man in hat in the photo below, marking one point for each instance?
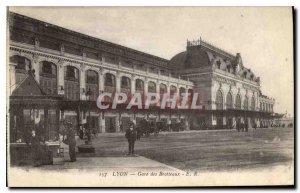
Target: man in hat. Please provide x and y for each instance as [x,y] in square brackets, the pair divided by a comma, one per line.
[71,141]
[131,137]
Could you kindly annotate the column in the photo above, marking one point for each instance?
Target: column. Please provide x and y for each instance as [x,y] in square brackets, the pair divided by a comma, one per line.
[36,67]
[12,73]
[132,87]
[118,82]
[186,123]
[101,81]
[82,82]
[117,119]
[101,122]
[61,78]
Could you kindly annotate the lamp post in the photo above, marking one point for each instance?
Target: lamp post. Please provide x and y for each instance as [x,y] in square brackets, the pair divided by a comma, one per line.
[88,147]
[89,95]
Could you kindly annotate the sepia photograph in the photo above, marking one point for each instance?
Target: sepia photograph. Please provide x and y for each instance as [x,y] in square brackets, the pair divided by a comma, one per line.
[150,96]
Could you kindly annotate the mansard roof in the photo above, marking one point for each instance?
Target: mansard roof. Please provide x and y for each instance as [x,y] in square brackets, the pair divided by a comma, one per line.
[32,28]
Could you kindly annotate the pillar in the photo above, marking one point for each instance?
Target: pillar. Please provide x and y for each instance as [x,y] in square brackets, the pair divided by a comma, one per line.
[82,82]
[101,81]
[132,87]
[36,67]
[117,119]
[186,123]
[101,122]
[12,73]
[118,83]
[61,78]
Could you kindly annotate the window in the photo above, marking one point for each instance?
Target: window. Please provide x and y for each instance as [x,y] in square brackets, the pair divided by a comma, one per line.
[219,100]
[91,77]
[246,103]
[48,68]
[162,88]
[253,103]
[125,82]
[173,90]
[71,73]
[151,87]
[110,80]
[238,102]
[139,84]
[229,103]
[21,62]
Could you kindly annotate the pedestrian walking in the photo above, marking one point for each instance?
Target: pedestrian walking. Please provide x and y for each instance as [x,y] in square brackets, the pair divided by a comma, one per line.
[131,137]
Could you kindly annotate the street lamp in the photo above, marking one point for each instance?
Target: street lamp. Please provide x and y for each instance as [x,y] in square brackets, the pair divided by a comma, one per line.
[89,97]
[88,147]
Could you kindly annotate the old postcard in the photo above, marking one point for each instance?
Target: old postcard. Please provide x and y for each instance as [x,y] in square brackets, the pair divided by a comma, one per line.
[150,96]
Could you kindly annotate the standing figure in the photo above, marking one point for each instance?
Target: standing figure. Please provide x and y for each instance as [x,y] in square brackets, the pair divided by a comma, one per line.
[131,137]
[71,141]
[36,148]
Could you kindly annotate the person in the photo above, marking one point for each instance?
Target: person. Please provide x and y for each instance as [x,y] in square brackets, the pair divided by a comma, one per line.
[71,141]
[36,147]
[131,137]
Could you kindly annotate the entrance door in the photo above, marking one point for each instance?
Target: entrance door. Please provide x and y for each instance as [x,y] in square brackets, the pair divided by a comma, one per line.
[110,124]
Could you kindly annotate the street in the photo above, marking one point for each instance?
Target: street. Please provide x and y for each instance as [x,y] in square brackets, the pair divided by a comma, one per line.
[206,150]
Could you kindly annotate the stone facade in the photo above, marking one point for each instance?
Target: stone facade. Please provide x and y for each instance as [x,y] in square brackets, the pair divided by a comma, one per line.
[69,64]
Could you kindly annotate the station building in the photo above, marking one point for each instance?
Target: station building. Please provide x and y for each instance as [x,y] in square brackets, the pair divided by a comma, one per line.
[75,68]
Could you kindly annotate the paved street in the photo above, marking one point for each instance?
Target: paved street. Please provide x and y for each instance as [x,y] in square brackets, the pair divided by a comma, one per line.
[206,150]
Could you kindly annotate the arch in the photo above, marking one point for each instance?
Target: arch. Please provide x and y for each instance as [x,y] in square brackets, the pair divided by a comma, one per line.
[252,103]
[219,100]
[109,80]
[151,87]
[246,102]
[72,85]
[173,90]
[23,64]
[125,82]
[71,73]
[162,88]
[238,102]
[181,90]
[139,85]
[92,82]
[48,77]
[229,100]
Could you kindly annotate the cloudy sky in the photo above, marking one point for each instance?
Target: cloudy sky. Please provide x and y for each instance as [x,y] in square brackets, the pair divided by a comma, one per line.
[263,36]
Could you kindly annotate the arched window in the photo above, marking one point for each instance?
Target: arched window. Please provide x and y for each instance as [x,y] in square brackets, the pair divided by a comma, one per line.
[92,82]
[229,101]
[173,90]
[22,66]
[162,88]
[151,87]
[181,90]
[238,102]
[48,68]
[219,100]
[71,73]
[139,85]
[72,85]
[125,82]
[246,103]
[110,80]
[253,103]
[48,77]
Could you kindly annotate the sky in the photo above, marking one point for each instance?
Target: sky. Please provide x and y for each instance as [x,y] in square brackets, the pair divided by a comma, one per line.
[263,35]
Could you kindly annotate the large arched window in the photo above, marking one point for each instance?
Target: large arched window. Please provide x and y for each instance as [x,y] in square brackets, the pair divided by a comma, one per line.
[72,85]
[48,77]
[125,82]
[151,87]
[219,100]
[22,66]
[173,90]
[229,101]
[162,88]
[92,82]
[253,103]
[238,102]
[110,80]
[139,85]
[246,103]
